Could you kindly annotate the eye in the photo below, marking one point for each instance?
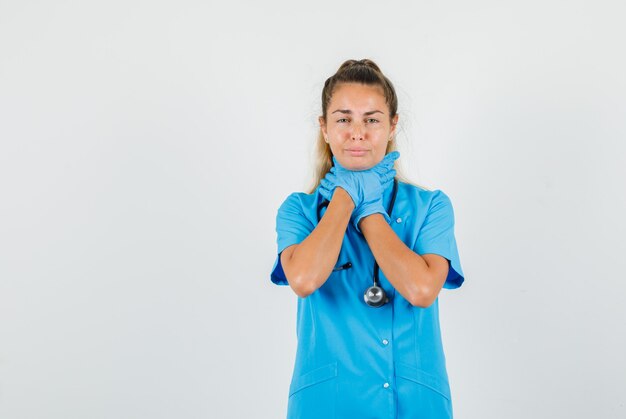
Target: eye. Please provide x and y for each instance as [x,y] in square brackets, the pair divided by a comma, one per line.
[372,120]
[342,120]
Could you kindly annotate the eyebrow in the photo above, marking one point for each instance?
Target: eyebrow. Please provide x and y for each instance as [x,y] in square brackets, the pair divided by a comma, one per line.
[349,112]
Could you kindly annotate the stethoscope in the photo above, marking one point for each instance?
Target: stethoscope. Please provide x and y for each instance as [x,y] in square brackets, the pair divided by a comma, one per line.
[374,296]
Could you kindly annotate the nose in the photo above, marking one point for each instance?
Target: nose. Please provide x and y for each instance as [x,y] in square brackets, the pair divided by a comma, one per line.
[357,132]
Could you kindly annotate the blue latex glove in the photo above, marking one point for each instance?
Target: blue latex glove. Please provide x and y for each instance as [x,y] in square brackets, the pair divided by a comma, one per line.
[373,193]
[365,187]
[347,179]
[374,206]
[327,186]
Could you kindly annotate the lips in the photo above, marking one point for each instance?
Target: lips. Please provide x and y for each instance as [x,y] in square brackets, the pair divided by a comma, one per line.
[356,152]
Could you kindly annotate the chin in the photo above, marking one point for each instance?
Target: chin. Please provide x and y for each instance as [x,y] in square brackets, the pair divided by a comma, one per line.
[356,163]
[364,166]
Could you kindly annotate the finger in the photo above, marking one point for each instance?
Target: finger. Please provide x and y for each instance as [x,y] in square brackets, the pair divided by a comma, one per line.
[331,177]
[394,155]
[326,184]
[388,177]
[386,163]
[381,169]
[326,193]
[384,168]
[390,158]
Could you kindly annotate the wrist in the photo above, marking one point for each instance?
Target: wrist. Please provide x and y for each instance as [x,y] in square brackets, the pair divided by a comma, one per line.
[343,198]
[362,220]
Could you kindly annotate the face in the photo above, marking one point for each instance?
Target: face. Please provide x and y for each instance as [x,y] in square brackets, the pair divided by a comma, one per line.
[357,125]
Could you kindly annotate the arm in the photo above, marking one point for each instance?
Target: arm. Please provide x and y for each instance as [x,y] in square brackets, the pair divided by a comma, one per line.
[309,264]
[417,278]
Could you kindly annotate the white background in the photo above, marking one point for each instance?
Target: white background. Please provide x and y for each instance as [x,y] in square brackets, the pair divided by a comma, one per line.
[146,146]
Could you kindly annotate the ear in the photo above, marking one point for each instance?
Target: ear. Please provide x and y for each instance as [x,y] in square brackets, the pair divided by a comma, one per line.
[394,124]
[322,123]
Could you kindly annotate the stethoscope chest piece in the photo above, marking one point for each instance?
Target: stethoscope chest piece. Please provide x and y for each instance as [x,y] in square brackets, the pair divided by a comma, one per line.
[375,296]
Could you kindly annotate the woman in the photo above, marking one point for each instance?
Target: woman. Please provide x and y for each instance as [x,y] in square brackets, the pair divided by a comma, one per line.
[367,255]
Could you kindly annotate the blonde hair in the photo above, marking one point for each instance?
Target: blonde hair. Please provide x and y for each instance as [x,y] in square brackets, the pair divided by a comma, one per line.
[363,71]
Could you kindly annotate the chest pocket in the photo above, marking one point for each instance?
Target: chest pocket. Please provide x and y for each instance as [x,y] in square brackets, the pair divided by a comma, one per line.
[342,266]
[337,282]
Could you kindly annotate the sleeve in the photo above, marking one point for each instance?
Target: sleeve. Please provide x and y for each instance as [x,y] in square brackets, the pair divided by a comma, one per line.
[292,227]
[437,236]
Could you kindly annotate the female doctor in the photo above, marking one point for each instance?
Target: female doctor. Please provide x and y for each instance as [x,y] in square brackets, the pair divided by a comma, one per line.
[367,254]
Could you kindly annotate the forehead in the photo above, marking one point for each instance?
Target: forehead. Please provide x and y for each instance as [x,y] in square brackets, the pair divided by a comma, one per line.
[358,96]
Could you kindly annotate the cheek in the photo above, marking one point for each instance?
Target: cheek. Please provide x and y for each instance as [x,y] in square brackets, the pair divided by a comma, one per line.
[381,149]
[341,131]
[335,148]
[338,136]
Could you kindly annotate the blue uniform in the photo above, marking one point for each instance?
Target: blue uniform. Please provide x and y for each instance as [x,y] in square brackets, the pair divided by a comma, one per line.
[356,361]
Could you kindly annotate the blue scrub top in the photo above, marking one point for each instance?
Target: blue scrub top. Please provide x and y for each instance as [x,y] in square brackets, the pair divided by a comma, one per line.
[356,361]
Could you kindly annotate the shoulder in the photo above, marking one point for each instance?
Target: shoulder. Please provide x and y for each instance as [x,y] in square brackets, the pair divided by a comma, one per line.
[300,200]
[422,196]
[299,205]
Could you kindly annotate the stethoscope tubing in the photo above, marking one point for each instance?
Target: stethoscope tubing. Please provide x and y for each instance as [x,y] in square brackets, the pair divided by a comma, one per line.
[374,296]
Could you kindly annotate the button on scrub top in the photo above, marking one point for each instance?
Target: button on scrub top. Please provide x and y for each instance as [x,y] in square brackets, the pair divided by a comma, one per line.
[356,361]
